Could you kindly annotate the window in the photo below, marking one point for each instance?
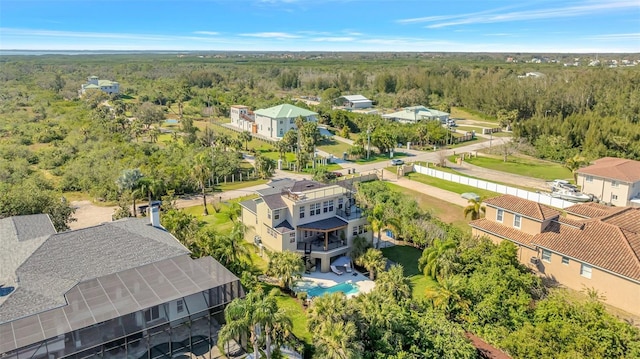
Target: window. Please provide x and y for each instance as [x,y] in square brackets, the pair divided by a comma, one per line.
[565,260]
[615,184]
[360,229]
[301,211]
[588,179]
[291,121]
[331,206]
[614,197]
[340,202]
[276,214]
[500,215]
[546,256]
[306,234]
[585,270]
[268,213]
[292,237]
[180,305]
[355,230]
[517,220]
[281,132]
[314,209]
[325,206]
[281,122]
[152,314]
[366,229]
[318,208]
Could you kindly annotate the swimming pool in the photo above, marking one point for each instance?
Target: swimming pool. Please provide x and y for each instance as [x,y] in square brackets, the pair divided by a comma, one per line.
[346,288]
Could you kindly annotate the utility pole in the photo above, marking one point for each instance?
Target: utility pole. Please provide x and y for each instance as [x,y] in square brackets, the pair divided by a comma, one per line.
[368,140]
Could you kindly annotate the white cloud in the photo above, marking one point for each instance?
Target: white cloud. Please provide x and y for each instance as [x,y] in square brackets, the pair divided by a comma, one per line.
[212,33]
[273,35]
[333,39]
[497,15]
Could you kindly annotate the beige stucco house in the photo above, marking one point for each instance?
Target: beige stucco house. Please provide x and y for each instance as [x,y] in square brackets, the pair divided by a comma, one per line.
[593,247]
[317,220]
[612,180]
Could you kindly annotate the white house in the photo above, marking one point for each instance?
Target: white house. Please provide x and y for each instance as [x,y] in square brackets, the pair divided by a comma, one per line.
[110,87]
[275,121]
[243,118]
[355,101]
[415,114]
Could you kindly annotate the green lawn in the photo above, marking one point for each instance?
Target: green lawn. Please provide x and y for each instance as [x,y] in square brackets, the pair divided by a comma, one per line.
[334,147]
[524,166]
[445,211]
[467,114]
[240,184]
[408,257]
[380,157]
[450,186]
[219,220]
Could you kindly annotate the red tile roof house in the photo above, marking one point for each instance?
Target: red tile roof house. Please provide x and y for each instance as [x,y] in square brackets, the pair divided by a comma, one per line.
[594,246]
[612,180]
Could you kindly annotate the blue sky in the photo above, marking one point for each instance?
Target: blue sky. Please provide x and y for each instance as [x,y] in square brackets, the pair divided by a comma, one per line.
[322,25]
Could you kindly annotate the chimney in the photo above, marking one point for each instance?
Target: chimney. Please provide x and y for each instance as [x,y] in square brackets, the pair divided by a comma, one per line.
[154,216]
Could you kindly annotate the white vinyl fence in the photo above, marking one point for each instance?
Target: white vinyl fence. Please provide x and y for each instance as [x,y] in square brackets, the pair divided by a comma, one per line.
[494,187]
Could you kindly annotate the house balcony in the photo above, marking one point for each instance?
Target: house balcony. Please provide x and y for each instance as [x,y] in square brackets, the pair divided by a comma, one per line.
[318,244]
[350,214]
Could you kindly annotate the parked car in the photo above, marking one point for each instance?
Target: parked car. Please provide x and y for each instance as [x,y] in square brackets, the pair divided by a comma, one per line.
[397,162]
[337,174]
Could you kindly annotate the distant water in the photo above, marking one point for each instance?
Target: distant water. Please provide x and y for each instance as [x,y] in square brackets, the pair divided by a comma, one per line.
[76,52]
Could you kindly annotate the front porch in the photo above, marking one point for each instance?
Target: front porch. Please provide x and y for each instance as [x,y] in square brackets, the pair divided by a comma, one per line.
[328,239]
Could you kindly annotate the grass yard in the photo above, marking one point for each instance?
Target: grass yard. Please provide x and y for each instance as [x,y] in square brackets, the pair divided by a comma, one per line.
[408,257]
[445,211]
[241,184]
[219,220]
[524,166]
[380,157]
[450,186]
[467,114]
[334,147]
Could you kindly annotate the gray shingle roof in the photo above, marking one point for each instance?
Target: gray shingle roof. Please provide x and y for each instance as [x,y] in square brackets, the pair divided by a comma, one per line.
[274,201]
[284,227]
[324,224]
[251,205]
[67,258]
[307,185]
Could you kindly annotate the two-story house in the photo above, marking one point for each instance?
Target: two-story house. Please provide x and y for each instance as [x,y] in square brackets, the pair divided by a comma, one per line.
[94,83]
[317,220]
[272,122]
[593,247]
[124,289]
[612,180]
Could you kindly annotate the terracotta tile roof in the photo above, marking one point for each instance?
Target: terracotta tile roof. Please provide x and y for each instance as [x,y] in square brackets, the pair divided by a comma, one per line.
[614,168]
[523,206]
[627,219]
[591,210]
[599,243]
[503,231]
[571,222]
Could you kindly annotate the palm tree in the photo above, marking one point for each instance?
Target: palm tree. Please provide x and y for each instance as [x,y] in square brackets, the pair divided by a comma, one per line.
[432,261]
[447,296]
[373,261]
[338,340]
[201,173]
[574,163]
[128,182]
[285,266]
[325,309]
[245,137]
[475,209]
[282,147]
[394,283]
[150,186]
[379,219]
[233,211]
[275,321]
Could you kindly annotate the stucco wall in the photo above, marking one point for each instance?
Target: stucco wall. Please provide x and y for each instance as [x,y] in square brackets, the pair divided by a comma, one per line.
[527,225]
[603,189]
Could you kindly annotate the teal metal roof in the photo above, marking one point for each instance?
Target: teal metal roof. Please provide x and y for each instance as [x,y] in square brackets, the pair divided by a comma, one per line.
[284,111]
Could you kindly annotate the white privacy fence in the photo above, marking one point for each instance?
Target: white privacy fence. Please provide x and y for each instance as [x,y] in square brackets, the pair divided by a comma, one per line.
[494,187]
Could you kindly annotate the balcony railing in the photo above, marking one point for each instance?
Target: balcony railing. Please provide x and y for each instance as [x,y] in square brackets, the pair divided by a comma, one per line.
[350,213]
[317,244]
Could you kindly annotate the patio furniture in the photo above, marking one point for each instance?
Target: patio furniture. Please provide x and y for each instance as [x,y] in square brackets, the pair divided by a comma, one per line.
[347,267]
[335,270]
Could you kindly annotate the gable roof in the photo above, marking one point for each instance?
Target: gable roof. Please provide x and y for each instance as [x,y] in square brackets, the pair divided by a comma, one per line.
[274,201]
[600,242]
[307,185]
[523,206]
[590,210]
[355,98]
[284,111]
[416,113]
[503,231]
[620,169]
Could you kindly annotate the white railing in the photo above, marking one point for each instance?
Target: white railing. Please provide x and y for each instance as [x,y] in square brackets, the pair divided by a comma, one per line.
[494,187]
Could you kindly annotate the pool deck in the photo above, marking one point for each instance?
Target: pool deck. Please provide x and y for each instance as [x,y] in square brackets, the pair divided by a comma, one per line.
[329,279]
